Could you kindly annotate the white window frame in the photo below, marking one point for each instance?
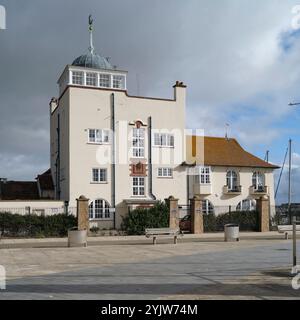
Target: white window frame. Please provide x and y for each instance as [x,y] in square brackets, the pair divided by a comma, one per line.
[91,79]
[99,209]
[165,140]
[164,172]
[104,80]
[246,205]
[258,180]
[232,180]
[76,75]
[138,186]
[118,81]
[207,207]
[138,142]
[203,176]
[99,175]
[101,136]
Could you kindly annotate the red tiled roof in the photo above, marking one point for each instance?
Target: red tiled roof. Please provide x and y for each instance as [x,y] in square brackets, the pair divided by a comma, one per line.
[212,151]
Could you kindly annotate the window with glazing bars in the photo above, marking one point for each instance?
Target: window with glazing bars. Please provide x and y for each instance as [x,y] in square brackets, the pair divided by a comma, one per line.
[77,77]
[104,80]
[91,79]
[138,142]
[138,186]
[164,139]
[98,136]
[99,175]
[165,172]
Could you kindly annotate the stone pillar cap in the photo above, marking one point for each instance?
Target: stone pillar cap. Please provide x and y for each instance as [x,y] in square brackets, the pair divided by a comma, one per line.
[171,198]
[82,198]
[196,198]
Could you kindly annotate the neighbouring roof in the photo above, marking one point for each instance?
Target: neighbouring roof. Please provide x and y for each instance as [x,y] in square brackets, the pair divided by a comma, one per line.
[26,190]
[19,190]
[45,180]
[213,151]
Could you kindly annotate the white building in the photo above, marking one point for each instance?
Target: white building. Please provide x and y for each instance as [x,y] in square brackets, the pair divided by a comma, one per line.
[138,165]
[146,160]
[226,177]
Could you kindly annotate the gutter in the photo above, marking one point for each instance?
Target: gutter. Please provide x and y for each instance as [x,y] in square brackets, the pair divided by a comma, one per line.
[150,170]
[57,163]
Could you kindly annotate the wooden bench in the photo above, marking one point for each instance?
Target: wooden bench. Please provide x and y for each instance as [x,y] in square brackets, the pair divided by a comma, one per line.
[162,232]
[286,229]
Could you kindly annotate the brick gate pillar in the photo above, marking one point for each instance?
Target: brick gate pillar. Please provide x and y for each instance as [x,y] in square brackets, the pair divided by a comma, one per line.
[196,216]
[174,212]
[263,208]
[83,213]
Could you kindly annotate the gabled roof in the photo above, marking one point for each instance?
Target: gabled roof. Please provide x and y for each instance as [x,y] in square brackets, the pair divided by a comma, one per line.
[213,151]
[45,180]
[19,190]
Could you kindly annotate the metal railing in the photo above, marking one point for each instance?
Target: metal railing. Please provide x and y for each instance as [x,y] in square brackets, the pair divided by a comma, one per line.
[40,211]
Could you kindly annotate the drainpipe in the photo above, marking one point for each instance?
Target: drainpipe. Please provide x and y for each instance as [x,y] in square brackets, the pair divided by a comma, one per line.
[57,164]
[113,165]
[150,158]
[188,186]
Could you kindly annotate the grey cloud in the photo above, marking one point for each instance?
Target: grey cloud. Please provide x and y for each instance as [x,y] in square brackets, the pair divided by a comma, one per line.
[227,52]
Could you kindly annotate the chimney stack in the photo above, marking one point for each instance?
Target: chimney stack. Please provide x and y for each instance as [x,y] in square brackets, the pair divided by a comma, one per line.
[53,104]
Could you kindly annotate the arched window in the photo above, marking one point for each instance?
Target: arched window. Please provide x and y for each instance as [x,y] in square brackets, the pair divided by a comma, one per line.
[99,209]
[232,180]
[207,207]
[246,205]
[258,181]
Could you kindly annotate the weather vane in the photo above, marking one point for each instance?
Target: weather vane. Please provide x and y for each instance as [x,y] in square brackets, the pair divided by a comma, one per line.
[91,21]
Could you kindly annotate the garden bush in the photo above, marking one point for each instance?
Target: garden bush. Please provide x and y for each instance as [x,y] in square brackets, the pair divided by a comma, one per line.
[247,220]
[16,225]
[139,219]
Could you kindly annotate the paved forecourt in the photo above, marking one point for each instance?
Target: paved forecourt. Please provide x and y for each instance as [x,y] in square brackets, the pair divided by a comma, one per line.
[207,269]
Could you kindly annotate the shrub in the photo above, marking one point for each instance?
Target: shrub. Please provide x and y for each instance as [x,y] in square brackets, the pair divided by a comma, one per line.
[15,225]
[139,219]
[209,222]
[247,220]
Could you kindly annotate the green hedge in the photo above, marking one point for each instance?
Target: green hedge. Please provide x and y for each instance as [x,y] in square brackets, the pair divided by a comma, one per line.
[247,220]
[16,225]
[139,219]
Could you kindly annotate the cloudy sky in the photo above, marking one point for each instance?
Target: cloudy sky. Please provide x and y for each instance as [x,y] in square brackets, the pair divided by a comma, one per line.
[239,58]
